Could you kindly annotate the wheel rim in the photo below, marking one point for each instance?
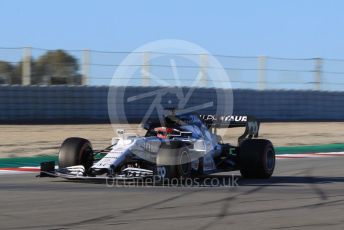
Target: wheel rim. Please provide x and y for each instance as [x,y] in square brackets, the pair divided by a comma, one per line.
[270,160]
[184,162]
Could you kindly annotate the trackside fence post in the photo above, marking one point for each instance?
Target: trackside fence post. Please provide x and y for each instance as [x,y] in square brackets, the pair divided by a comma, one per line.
[262,72]
[145,69]
[85,66]
[26,70]
[318,73]
[203,69]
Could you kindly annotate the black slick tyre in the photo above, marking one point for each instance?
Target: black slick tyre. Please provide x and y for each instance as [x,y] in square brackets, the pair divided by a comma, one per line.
[76,151]
[256,158]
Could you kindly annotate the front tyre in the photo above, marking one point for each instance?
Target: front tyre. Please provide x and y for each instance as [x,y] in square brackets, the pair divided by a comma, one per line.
[76,151]
[257,158]
[173,162]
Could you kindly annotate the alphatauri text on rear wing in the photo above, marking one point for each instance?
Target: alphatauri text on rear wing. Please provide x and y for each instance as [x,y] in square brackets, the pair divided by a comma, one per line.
[250,123]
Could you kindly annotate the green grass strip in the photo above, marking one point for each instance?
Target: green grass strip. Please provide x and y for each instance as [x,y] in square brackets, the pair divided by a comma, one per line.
[310,149]
[25,161]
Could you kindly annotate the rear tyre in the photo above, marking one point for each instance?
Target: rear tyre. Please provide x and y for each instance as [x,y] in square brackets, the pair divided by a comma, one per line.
[257,158]
[76,151]
[183,166]
[173,162]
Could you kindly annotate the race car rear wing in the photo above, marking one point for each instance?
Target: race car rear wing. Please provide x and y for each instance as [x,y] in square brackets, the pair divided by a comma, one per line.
[250,123]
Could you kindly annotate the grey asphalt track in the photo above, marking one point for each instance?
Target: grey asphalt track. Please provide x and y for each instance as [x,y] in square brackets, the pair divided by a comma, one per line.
[303,194]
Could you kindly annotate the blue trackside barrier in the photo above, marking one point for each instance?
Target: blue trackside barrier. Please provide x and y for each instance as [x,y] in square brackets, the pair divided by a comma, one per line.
[88,104]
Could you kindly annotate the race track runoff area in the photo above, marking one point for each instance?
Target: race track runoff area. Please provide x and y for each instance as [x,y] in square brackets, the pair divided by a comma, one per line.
[303,193]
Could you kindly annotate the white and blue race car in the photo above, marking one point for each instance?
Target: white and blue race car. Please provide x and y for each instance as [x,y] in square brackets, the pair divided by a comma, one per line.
[181,146]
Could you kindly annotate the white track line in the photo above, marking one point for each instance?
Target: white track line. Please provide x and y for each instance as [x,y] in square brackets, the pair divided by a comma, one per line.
[310,155]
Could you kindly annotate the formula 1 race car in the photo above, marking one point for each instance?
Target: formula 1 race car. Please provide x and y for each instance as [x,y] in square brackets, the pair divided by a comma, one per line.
[186,145]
